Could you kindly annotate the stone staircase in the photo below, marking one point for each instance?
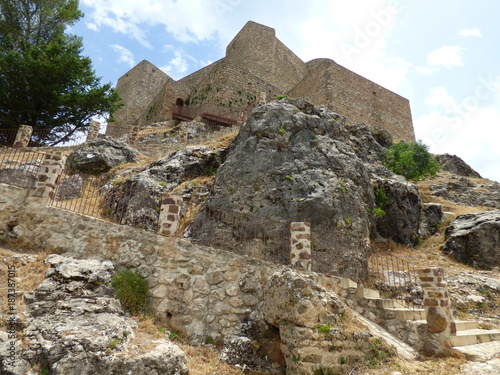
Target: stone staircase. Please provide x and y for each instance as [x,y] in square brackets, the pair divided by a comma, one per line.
[469,338]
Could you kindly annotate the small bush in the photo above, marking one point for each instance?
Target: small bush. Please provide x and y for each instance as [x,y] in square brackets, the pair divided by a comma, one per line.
[381,198]
[278,97]
[411,160]
[133,291]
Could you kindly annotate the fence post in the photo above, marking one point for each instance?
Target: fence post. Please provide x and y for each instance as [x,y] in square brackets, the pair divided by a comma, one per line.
[440,324]
[300,245]
[132,137]
[170,214]
[48,176]
[23,136]
[93,132]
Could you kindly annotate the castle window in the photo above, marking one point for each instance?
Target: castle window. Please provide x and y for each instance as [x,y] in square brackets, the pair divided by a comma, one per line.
[179,102]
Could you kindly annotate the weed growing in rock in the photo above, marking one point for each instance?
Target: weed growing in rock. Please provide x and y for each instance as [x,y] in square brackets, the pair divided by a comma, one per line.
[324,328]
[282,131]
[113,343]
[209,340]
[379,354]
[279,97]
[133,291]
[173,335]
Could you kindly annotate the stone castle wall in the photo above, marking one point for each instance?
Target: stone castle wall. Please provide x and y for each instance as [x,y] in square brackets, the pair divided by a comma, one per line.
[358,99]
[257,50]
[256,61]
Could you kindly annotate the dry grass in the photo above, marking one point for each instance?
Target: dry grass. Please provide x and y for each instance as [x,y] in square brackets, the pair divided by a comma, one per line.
[29,273]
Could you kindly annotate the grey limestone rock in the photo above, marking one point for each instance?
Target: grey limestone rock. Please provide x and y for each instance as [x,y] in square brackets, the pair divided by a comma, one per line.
[135,201]
[474,239]
[431,216]
[100,155]
[292,161]
[77,327]
[401,221]
[453,164]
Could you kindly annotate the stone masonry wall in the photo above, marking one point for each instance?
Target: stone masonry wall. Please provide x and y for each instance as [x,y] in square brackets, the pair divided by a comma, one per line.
[256,49]
[198,290]
[357,98]
[138,87]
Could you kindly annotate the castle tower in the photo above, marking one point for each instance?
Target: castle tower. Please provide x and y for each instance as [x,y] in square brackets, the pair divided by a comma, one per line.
[257,50]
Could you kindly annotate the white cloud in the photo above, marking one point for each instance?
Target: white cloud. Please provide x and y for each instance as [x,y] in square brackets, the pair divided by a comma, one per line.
[456,127]
[446,57]
[125,55]
[179,64]
[470,32]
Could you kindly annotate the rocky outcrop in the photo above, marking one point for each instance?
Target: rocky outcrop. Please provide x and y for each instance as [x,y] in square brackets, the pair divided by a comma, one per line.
[292,161]
[474,239]
[431,216]
[100,155]
[313,326]
[455,165]
[462,190]
[402,211]
[135,200]
[76,326]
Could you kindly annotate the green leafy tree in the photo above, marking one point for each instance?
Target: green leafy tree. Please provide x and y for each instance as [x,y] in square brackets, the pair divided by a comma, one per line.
[46,82]
[411,160]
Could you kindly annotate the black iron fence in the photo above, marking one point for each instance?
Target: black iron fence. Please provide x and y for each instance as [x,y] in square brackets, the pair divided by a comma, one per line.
[395,278]
[96,196]
[242,233]
[20,167]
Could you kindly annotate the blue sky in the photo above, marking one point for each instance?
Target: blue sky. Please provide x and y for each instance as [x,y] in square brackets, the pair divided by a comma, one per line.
[443,55]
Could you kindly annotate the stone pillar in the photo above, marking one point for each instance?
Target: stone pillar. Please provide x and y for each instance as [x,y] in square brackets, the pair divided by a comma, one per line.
[300,245]
[132,137]
[48,176]
[440,324]
[23,136]
[170,214]
[93,132]
[262,99]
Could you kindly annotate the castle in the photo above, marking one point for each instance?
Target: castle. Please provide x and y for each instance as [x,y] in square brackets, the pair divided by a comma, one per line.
[258,65]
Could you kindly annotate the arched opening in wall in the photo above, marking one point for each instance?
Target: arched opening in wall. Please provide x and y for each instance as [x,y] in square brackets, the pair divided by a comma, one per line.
[179,102]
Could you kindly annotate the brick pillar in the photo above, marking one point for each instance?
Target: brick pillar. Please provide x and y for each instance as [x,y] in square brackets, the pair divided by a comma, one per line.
[132,136]
[48,176]
[440,324]
[170,214]
[23,136]
[93,132]
[300,245]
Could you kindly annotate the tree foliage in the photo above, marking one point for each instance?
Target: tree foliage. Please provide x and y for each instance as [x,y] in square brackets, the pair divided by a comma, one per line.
[411,160]
[46,82]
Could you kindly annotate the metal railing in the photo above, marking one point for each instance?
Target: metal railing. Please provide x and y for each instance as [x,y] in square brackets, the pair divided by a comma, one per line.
[241,233]
[118,203]
[339,252]
[395,278]
[7,137]
[19,167]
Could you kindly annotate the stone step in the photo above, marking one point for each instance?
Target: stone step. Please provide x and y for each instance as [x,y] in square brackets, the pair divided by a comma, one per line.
[346,283]
[480,352]
[405,314]
[367,293]
[475,336]
[384,303]
[463,325]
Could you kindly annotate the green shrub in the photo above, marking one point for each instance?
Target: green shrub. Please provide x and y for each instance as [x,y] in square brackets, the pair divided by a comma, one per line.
[411,160]
[278,97]
[133,291]
[381,198]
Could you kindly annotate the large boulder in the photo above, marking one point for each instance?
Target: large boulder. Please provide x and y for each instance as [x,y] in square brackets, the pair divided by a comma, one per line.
[100,155]
[474,239]
[402,212]
[292,162]
[136,200]
[77,326]
[431,216]
[453,164]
